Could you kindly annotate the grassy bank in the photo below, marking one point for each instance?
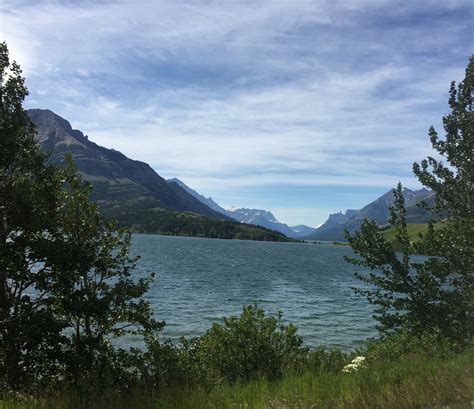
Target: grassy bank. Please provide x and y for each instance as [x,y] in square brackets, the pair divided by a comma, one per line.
[411,382]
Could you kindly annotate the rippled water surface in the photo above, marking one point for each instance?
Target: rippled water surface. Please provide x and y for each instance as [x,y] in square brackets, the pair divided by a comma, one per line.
[198,281]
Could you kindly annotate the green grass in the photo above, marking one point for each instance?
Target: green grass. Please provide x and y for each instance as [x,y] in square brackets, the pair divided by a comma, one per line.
[414,230]
[412,382]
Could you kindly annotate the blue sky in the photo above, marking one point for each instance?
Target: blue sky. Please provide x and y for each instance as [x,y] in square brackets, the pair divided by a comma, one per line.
[302,107]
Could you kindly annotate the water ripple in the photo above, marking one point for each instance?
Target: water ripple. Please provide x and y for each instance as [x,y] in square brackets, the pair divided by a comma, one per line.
[201,280]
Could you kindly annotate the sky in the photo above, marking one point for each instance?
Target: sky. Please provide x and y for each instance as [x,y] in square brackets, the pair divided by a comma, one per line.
[300,107]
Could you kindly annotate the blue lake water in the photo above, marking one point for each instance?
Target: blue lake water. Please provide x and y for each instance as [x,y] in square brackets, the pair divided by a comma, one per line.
[199,281]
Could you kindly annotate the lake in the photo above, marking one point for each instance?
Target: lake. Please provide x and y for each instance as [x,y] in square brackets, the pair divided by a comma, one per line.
[199,281]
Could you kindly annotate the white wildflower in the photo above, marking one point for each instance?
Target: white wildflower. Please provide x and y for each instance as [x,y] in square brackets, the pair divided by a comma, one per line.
[349,368]
[358,360]
[355,364]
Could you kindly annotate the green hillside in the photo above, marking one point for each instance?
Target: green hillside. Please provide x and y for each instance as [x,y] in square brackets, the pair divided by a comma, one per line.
[165,222]
[415,231]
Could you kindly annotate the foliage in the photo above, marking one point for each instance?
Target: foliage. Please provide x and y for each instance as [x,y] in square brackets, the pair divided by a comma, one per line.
[453,184]
[92,288]
[404,292]
[160,365]
[409,382]
[249,346]
[65,285]
[29,196]
[401,344]
[243,347]
[323,360]
[435,295]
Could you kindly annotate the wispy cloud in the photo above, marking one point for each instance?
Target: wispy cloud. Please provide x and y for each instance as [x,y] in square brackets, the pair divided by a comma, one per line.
[245,95]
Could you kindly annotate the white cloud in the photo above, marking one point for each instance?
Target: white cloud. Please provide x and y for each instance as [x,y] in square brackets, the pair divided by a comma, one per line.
[247,94]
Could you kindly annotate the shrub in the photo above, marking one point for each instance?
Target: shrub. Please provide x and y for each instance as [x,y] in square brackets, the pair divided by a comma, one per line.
[323,360]
[161,365]
[395,346]
[247,346]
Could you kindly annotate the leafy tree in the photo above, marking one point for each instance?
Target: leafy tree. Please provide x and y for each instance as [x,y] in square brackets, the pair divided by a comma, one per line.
[405,293]
[65,274]
[93,290]
[435,295]
[29,189]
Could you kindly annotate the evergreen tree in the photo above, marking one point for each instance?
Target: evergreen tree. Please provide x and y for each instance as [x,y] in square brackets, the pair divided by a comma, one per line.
[453,185]
[437,294]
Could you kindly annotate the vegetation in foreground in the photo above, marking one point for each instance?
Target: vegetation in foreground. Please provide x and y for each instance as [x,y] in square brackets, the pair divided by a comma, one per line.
[409,382]
[66,291]
[254,361]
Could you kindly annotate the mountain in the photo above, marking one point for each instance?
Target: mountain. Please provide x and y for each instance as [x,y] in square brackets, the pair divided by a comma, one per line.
[207,201]
[257,217]
[301,231]
[378,210]
[266,219]
[132,192]
[117,180]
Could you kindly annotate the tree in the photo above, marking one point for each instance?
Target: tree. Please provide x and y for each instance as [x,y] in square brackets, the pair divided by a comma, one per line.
[453,185]
[93,290]
[435,294]
[29,193]
[65,273]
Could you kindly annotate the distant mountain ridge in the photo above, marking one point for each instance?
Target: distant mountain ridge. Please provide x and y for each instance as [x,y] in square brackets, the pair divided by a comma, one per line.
[207,201]
[378,210]
[117,179]
[265,218]
[133,193]
[257,217]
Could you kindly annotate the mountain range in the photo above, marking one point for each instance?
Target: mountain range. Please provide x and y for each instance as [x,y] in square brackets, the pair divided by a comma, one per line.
[378,210]
[334,228]
[140,198]
[132,192]
[257,217]
[116,178]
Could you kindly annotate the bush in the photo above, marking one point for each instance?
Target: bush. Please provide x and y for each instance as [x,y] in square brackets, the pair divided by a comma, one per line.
[400,344]
[161,365]
[323,360]
[248,346]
